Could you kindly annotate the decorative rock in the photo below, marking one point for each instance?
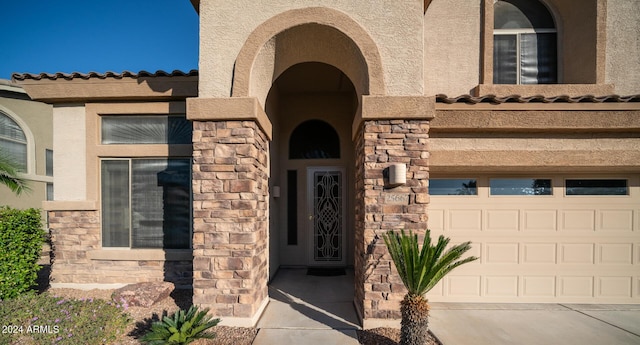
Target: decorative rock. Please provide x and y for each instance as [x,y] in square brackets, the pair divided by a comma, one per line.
[143,294]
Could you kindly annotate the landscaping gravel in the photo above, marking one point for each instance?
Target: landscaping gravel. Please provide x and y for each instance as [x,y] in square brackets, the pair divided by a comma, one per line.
[144,317]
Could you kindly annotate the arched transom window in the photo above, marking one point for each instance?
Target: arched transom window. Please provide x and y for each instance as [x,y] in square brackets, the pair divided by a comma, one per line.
[524,43]
[13,142]
[314,139]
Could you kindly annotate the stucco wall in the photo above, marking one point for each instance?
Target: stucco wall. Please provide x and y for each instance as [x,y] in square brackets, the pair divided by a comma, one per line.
[623,46]
[69,170]
[397,31]
[452,47]
[34,118]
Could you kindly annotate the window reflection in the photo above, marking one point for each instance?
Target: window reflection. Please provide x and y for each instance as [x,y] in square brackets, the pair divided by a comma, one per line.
[453,187]
[520,186]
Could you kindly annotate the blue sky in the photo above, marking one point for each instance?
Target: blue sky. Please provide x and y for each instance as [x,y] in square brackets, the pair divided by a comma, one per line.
[97,35]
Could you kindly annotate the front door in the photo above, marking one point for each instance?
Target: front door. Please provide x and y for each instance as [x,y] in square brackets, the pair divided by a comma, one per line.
[326,216]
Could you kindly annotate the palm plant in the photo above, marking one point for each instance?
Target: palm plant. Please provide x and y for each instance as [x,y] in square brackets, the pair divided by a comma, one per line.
[9,175]
[181,328]
[420,270]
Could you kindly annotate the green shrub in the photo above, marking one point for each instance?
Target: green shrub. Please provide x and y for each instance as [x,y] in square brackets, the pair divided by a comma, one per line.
[181,328]
[42,319]
[21,239]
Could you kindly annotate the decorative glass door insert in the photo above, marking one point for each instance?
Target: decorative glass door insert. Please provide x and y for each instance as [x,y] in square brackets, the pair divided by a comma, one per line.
[326,189]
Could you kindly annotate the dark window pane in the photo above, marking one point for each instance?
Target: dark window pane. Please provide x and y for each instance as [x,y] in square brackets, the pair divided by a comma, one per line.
[115,203]
[596,187]
[160,198]
[292,207]
[147,201]
[49,162]
[520,186]
[453,187]
[521,14]
[314,139]
[146,130]
[538,59]
[505,59]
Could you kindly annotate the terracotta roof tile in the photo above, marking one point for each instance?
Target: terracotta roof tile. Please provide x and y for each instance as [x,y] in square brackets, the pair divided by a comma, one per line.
[493,99]
[90,75]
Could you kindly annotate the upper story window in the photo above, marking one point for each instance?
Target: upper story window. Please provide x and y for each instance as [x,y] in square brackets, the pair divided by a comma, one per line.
[13,141]
[524,43]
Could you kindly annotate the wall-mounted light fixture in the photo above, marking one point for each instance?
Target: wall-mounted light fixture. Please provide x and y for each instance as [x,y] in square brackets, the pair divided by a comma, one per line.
[275,191]
[397,174]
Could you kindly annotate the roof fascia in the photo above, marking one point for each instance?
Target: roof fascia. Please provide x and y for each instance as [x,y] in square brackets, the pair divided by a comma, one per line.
[94,89]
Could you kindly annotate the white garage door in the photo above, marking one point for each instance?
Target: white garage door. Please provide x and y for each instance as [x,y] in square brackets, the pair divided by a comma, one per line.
[572,239]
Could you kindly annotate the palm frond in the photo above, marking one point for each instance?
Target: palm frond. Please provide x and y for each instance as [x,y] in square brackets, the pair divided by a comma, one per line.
[420,269]
[10,177]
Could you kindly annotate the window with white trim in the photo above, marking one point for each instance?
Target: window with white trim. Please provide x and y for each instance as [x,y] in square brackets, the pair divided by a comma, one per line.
[525,48]
[13,142]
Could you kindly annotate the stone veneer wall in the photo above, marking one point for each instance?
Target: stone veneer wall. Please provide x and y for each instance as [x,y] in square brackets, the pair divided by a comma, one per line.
[380,143]
[230,210]
[75,234]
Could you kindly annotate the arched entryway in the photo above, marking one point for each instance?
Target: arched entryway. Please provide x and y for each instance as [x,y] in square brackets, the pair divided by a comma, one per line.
[311,106]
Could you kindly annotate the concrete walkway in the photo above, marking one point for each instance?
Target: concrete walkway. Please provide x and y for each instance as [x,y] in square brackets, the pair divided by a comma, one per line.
[313,310]
[309,310]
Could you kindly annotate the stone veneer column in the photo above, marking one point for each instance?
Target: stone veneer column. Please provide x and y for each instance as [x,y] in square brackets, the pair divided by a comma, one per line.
[380,143]
[230,211]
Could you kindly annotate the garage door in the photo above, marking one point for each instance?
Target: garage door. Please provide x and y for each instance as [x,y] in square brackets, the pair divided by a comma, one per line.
[568,239]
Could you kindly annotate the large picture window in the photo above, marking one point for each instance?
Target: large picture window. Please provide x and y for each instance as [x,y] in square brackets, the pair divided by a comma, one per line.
[525,43]
[146,203]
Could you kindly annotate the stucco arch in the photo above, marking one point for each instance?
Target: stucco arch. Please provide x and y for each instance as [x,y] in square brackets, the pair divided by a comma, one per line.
[257,59]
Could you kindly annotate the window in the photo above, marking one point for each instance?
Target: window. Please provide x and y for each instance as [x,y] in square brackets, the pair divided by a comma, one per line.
[314,139]
[520,186]
[146,199]
[292,207]
[146,203]
[146,129]
[13,141]
[525,43]
[596,187]
[48,167]
[453,187]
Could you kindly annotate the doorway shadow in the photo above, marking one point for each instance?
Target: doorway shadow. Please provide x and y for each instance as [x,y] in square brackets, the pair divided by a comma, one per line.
[302,301]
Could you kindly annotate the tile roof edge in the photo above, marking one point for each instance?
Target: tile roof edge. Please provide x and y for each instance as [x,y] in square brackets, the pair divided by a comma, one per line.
[105,75]
[493,99]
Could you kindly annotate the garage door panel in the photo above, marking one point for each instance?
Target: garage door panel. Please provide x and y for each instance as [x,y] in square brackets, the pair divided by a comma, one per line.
[538,286]
[615,287]
[502,253]
[502,220]
[615,220]
[576,286]
[436,220]
[465,220]
[577,253]
[540,220]
[463,286]
[578,220]
[501,286]
[539,253]
[615,253]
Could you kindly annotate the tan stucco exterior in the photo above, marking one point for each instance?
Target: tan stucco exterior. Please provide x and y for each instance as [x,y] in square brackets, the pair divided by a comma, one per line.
[623,27]
[35,120]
